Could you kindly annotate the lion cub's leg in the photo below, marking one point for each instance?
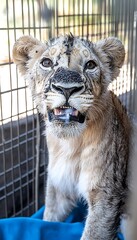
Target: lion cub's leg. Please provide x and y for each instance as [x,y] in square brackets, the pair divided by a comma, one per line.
[103,217]
[58,205]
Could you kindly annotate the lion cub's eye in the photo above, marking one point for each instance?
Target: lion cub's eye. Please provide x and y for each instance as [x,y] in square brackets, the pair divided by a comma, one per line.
[46,63]
[90,65]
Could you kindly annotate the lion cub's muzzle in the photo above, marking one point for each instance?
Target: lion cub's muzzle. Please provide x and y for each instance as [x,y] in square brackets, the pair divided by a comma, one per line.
[69,84]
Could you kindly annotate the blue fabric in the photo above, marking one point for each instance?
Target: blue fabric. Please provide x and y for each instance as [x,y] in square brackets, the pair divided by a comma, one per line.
[25,228]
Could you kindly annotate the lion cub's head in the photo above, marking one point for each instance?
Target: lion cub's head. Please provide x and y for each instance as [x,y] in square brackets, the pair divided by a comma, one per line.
[68,77]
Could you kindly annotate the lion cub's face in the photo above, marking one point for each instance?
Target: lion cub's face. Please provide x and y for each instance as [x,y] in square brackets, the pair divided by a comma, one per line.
[68,77]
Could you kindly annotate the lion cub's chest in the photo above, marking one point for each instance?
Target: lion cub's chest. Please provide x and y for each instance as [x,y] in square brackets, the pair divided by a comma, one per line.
[64,174]
[72,173]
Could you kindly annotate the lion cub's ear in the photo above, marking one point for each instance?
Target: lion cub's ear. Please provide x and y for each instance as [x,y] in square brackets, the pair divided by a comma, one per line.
[114,53]
[24,49]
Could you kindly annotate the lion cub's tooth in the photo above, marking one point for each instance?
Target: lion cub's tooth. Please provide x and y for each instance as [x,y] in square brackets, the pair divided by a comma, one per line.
[57,111]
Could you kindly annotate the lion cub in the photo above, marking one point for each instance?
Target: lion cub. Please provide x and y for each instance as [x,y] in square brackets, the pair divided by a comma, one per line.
[87,128]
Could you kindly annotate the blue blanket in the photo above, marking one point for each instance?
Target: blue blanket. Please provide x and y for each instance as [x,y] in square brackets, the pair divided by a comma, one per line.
[25,228]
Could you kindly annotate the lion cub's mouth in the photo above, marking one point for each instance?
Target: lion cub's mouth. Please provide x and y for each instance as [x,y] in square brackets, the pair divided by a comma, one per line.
[66,115]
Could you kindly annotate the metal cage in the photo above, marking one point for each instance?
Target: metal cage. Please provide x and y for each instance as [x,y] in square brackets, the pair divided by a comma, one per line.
[23,152]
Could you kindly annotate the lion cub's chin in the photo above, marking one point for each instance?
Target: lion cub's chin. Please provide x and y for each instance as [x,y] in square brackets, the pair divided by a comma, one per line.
[65,130]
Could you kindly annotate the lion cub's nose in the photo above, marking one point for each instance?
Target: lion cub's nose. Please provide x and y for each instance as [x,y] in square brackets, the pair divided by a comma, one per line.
[67,91]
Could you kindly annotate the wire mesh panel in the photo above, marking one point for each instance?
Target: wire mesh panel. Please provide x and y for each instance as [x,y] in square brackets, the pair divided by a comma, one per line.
[23,152]
[18,116]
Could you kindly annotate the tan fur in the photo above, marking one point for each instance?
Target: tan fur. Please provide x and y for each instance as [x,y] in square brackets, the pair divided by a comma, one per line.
[88,153]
